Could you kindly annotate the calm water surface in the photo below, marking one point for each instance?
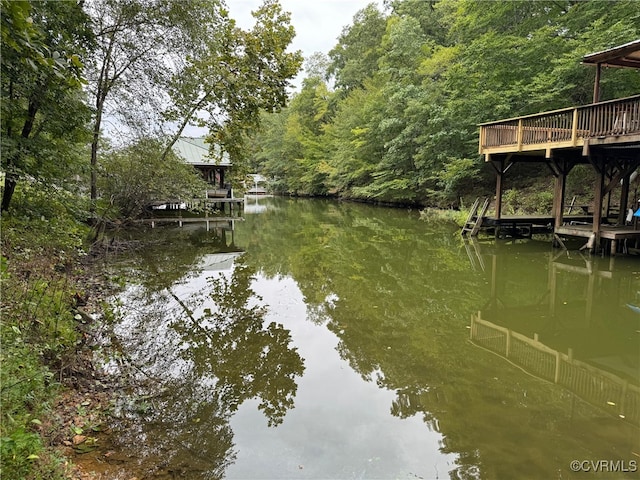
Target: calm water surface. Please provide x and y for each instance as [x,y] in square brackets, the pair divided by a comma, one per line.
[323,340]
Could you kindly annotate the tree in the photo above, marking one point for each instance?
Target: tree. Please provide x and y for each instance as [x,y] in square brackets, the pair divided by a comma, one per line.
[139,43]
[193,65]
[356,145]
[43,109]
[235,75]
[133,176]
[355,57]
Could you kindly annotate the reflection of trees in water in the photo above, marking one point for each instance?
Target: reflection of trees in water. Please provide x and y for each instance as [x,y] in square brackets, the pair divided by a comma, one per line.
[184,432]
[215,353]
[230,343]
[398,294]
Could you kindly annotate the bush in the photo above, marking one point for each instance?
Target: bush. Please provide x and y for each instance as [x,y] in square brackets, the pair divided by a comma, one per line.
[38,335]
[458,217]
[134,176]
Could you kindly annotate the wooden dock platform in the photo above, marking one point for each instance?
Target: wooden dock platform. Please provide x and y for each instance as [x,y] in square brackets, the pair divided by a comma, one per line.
[198,204]
[620,238]
[613,234]
[524,226]
[208,221]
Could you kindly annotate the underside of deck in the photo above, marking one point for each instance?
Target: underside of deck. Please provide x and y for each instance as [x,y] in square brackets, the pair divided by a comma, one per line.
[619,238]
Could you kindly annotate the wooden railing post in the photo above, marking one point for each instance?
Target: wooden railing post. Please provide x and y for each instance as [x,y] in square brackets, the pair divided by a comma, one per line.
[574,128]
[519,135]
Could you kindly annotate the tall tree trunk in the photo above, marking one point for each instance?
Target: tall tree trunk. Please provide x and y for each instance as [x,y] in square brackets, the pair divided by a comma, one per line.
[94,160]
[9,187]
[11,179]
[103,88]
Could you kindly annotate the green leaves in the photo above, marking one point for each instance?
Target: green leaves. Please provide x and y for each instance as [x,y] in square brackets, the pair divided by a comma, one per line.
[412,85]
[43,109]
[133,176]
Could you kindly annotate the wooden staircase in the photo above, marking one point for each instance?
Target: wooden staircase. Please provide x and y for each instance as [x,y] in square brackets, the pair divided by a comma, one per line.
[474,220]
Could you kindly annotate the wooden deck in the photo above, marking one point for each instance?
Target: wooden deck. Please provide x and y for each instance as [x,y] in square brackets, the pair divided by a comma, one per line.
[525,225]
[605,135]
[605,123]
[613,234]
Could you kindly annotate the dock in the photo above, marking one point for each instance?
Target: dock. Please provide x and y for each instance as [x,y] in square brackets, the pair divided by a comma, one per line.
[604,135]
[613,238]
[207,204]
[524,226]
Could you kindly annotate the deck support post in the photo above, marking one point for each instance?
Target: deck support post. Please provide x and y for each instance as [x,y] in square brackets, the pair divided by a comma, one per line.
[596,84]
[624,199]
[561,171]
[500,166]
[499,195]
[558,196]
[597,204]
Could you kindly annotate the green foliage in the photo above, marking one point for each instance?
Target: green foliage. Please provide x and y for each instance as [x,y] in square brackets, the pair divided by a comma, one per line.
[42,240]
[48,220]
[457,217]
[193,63]
[44,115]
[36,327]
[412,85]
[134,176]
[355,57]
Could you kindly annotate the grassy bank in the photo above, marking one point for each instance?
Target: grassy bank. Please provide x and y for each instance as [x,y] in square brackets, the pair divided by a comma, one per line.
[42,281]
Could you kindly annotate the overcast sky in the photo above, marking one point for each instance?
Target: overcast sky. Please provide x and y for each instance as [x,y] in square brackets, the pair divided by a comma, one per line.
[318,23]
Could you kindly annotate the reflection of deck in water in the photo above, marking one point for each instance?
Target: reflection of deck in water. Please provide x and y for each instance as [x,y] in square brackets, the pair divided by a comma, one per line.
[222,228]
[592,384]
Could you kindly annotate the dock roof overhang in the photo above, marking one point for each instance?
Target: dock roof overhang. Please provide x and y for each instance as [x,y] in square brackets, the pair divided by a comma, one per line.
[623,56]
[627,55]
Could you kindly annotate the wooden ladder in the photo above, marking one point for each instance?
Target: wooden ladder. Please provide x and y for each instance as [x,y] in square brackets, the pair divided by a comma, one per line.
[474,220]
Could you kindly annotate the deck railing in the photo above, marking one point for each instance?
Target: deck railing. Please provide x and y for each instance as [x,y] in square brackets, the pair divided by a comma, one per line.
[563,128]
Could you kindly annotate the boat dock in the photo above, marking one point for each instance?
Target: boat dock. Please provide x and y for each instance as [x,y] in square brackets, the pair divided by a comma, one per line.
[181,221]
[614,238]
[604,135]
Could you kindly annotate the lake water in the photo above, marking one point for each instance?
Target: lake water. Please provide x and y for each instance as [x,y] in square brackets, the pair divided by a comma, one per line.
[323,340]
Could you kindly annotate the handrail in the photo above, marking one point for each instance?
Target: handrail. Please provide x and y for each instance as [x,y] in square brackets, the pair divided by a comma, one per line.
[567,126]
[560,110]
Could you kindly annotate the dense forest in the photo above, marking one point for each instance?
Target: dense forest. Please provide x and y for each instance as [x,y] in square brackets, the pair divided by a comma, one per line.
[95,93]
[391,114]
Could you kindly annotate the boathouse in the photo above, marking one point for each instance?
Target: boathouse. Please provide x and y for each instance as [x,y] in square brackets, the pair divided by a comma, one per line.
[213,165]
[603,134]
